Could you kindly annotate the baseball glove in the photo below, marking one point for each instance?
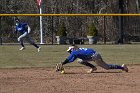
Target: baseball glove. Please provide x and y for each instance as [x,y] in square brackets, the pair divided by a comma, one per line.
[59,67]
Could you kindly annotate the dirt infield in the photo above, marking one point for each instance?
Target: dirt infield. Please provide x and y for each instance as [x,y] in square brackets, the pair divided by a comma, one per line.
[76,80]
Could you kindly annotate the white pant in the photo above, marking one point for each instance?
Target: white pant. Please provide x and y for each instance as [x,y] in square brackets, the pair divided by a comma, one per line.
[25,35]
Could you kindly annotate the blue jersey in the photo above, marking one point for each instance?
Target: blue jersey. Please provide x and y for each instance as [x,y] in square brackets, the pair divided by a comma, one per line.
[82,53]
[22,28]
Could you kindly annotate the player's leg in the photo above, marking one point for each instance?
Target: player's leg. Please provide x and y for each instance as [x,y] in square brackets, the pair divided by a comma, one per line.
[20,40]
[21,43]
[99,61]
[86,63]
[32,43]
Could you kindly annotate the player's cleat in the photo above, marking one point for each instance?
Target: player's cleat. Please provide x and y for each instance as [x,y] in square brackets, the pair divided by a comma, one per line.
[22,48]
[92,70]
[38,49]
[124,68]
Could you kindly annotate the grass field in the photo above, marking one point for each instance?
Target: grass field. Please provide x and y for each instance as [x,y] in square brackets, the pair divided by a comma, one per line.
[11,57]
[75,80]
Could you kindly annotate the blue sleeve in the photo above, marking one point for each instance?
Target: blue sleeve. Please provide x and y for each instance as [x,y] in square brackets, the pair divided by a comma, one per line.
[24,24]
[72,57]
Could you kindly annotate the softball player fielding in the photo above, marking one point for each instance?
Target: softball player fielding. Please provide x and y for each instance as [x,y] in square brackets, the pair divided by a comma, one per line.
[85,55]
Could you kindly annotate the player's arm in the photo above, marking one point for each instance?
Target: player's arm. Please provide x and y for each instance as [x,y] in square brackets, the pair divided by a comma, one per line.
[29,29]
[71,58]
[26,26]
[59,66]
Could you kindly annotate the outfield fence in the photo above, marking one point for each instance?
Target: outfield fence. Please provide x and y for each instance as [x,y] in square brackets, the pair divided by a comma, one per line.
[111,27]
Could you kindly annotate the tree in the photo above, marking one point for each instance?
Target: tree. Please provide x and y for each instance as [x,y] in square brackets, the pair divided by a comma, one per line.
[92,34]
[92,30]
[62,30]
[61,34]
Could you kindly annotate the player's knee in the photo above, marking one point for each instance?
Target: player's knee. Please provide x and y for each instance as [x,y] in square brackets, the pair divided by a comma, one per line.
[80,61]
[19,39]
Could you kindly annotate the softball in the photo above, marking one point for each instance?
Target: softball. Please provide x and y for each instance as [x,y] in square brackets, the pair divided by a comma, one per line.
[62,72]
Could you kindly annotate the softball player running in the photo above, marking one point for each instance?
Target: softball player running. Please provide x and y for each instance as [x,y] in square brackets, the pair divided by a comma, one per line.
[85,55]
[24,29]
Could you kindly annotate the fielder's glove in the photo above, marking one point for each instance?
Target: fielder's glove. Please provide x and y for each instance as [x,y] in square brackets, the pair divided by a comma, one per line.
[59,67]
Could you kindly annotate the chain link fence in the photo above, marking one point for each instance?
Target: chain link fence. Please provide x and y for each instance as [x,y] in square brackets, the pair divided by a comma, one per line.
[112,29]
[108,28]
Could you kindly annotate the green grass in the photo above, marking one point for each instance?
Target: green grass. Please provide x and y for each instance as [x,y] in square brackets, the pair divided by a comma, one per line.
[11,57]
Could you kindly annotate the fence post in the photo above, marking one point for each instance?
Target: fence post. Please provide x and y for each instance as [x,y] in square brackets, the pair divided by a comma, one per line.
[0,33]
[121,10]
[52,30]
[104,29]
[0,40]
